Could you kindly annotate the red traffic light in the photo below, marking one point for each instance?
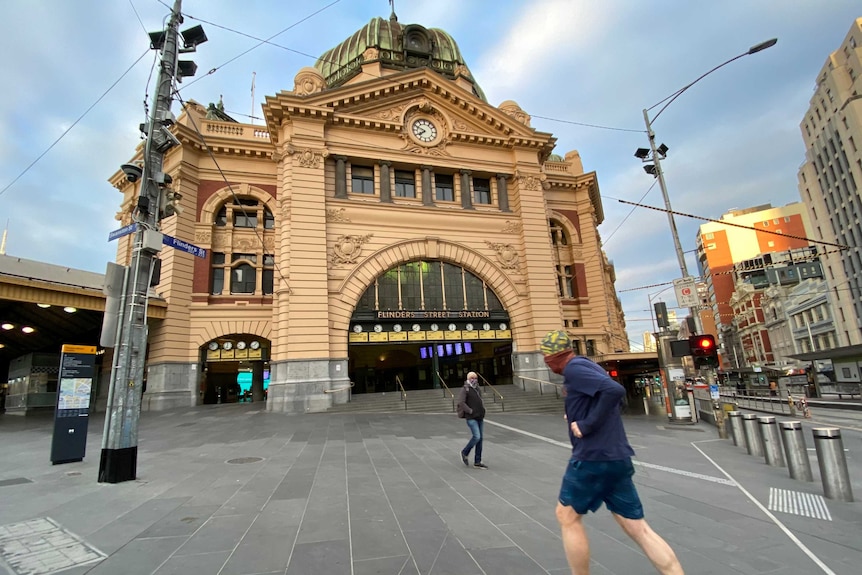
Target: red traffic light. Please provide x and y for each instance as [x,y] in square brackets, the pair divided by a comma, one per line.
[614,373]
[705,343]
[702,345]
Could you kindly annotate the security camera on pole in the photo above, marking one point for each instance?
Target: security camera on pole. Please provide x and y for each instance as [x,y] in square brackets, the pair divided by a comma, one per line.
[156,200]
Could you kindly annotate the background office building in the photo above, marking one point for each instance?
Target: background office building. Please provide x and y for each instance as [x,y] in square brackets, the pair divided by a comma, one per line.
[829,179]
[387,224]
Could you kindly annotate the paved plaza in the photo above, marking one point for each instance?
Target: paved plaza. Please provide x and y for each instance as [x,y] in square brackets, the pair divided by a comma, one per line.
[234,490]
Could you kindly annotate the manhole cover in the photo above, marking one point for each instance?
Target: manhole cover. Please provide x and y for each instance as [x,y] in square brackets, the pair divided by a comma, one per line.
[241,460]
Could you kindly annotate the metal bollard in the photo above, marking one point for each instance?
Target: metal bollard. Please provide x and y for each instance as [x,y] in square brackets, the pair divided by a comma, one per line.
[753,441]
[795,451]
[734,420]
[772,449]
[833,465]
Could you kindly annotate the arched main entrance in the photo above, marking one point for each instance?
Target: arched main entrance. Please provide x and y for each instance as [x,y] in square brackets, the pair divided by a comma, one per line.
[425,321]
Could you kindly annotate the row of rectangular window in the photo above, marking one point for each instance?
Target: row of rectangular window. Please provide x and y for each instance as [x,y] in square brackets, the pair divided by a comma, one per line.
[362,182]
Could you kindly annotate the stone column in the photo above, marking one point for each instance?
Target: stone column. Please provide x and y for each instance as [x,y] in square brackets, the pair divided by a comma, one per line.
[427,192]
[503,193]
[466,197]
[385,182]
[341,177]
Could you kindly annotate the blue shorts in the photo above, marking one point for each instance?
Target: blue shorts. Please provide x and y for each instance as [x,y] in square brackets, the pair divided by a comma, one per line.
[588,484]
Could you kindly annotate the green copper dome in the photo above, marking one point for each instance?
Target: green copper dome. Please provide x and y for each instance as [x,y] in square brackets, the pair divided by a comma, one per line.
[396,47]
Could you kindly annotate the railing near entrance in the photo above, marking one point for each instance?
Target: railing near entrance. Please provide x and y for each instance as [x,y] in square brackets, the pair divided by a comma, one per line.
[446,389]
[346,388]
[496,393]
[542,383]
[403,391]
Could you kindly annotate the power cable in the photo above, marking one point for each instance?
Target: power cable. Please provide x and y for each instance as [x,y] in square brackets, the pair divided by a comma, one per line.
[726,223]
[587,125]
[75,123]
[240,55]
[628,215]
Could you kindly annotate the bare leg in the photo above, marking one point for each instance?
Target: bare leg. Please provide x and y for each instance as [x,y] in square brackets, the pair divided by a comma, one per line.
[656,549]
[575,541]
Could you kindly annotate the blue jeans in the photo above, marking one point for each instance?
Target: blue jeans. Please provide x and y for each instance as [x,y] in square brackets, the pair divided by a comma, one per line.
[475,426]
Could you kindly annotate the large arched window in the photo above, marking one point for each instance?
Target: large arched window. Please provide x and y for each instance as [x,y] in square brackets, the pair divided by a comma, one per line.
[245,273]
[430,286]
[245,212]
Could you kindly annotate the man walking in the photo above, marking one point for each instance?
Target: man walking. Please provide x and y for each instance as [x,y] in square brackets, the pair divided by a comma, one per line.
[472,408]
[600,470]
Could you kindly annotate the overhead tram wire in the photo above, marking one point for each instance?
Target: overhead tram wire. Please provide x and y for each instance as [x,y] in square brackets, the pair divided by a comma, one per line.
[628,215]
[206,146]
[726,223]
[258,45]
[75,123]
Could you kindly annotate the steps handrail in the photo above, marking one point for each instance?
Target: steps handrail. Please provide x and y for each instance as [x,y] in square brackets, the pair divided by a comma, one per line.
[557,386]
[403,391]
[446,388]
[342,388]
[496,393]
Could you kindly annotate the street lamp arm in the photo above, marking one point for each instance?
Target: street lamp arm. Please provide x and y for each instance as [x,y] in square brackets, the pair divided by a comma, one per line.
[669,100]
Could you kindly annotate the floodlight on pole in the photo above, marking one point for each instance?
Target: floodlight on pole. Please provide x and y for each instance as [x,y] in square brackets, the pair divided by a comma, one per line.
[659,152]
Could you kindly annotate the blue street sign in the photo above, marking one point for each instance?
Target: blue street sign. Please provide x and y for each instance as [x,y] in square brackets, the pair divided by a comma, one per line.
[714,391]
[124,231]
[173,242]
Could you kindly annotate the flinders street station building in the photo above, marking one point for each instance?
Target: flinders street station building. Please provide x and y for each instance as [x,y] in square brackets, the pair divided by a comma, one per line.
[386,227]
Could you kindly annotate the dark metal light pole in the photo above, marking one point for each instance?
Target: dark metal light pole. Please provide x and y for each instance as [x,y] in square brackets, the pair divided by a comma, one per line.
[155,201]
[657,153]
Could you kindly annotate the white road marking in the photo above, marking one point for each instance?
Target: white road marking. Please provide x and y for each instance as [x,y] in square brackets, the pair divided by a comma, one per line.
[825,568]
[719,480]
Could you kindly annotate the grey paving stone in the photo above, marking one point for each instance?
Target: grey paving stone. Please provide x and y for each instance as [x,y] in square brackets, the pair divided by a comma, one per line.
[202,564]
[219,533]
[505,561]
[139,557]
[330,557]
[398,565]
[182,521]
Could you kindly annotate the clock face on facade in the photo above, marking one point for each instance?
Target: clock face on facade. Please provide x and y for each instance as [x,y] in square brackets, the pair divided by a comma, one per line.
[469,327]
[503,326]
[486,326]
[396,328]
[213,345]
[378,328]
[434,327]
[424,130]
[416,327]
[451,327]
[357,329]
[254,344]
[227,346]
[240,345]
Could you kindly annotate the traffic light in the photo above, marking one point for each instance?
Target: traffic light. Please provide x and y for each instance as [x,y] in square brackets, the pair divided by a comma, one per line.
[703,351]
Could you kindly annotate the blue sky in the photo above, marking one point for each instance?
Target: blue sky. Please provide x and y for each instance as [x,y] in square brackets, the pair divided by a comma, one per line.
[734,138]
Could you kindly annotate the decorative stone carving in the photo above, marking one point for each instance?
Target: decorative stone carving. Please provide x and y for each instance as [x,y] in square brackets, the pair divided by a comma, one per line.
[512,227]
[393,113]
[347,249]
[462,127]
[336,215]
[276,157]
[245,244]
[462,70]
[306,157]
[219,240]
[506,255]
[308,81]
[512,109]
[423,106]
[269,243]
[532,182]
[203,236]
[370,54]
